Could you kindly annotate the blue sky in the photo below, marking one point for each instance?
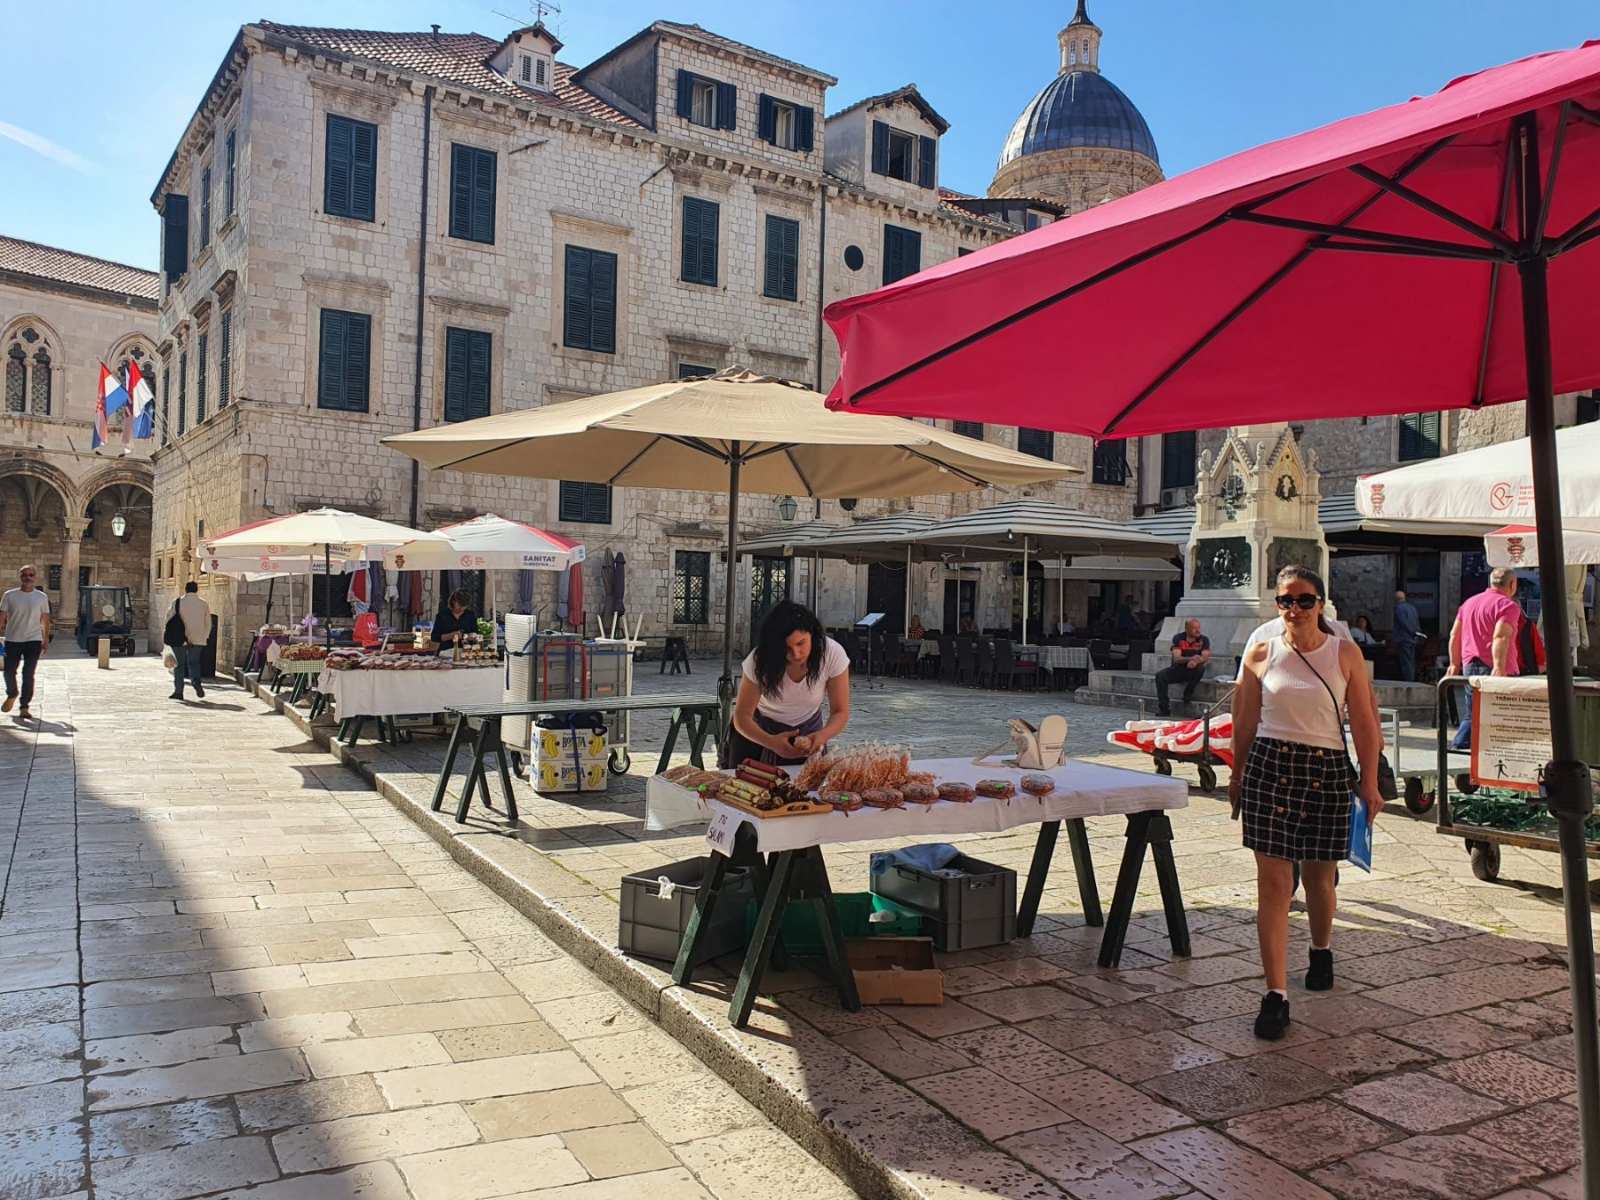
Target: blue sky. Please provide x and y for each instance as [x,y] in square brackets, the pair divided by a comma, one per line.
[95,92]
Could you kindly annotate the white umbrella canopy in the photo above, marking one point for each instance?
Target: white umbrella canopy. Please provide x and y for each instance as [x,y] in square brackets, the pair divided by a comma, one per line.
[1491,484]
[327,532]
[774,436]
[787,538]
[1516,545]
[486,543]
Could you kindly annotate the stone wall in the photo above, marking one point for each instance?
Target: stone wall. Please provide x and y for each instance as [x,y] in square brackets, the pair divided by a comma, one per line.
[1080,177]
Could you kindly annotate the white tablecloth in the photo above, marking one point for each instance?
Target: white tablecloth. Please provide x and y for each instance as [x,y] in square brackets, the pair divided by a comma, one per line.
[1082,790]
[1058,658]
[391,693]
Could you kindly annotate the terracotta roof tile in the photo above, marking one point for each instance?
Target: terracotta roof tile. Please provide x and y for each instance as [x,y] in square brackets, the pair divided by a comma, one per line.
[455,57]
[64,266]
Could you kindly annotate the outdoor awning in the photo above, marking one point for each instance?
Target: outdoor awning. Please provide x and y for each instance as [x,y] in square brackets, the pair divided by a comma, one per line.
[893,538]
[1022,528]
[1345,528]
[787,539]
[1093,568]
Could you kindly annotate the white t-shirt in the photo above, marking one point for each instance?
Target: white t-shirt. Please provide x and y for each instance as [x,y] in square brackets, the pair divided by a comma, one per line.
[25,612]
[796,700]
[1274,629]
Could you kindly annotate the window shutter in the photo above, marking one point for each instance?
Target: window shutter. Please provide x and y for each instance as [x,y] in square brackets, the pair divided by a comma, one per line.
[772,269]
[480,347]
[603,301]
[925,162]
[577,298]
[455,375]
[205,207]
[804,120]
[460,191]
[689,267]
[483,181]
[358,356]
[175,235]
[228,180]
[880,148]
[685,94]
[766,119]
[363,169]
[330,367]
[709,220]
[336,167]
[1428,427]
[727,106]
[781,271]
[225,361]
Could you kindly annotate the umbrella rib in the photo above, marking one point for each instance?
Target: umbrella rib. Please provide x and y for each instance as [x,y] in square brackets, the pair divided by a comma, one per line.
[788,452]
[648,446]
[1582,239]
[943,466]
[1400,190]
[780,448]
[1494,272]
[1565,241]
[1550,177]
[1426,246]
[694,443]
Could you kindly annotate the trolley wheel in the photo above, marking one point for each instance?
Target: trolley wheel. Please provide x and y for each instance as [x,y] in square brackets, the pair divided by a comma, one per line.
[1208,778]
[1485,860]
[1464,784]
[1163,764]
[619,761]
[1419,799]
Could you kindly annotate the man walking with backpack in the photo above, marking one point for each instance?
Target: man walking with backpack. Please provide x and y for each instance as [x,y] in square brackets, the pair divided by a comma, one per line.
[188,630]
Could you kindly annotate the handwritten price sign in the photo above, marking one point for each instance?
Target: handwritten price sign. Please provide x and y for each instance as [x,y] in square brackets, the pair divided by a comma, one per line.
[721,833]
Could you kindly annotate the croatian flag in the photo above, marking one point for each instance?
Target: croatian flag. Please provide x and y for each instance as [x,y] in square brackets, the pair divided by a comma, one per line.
[97,436]
[144,403]
[112,394]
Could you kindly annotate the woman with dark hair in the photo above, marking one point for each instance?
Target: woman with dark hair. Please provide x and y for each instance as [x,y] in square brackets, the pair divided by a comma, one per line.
[1295,786]
[454,619]
[777,717]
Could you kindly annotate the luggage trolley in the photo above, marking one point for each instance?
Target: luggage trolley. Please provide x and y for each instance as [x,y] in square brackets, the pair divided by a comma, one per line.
[1530,826]
[554,665]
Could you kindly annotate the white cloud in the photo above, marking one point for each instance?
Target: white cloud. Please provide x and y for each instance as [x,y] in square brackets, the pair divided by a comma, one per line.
[47,149]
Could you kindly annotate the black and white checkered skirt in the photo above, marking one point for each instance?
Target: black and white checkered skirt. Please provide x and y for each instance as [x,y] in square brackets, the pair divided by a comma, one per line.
[1295,801]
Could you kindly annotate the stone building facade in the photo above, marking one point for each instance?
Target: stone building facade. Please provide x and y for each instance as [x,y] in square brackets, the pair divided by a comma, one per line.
[62,314]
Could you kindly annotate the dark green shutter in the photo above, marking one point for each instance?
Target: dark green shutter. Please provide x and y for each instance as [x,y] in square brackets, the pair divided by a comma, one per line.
[350,169]
[455,374]
[205,208]
[357,360]
[689,252]
[483,181]
[880,148]
[781,270]
[174,236]
[767,119]
[804,137]
[925,162]
[336,167]
[228,179]
[1419,436]
[461,191]
[727,106]
[603,301]
[363,170]
[902,252]
[686,94]
[202,356]
[480,347]
[330,362]
[225,361]
[699,253]
[577,319]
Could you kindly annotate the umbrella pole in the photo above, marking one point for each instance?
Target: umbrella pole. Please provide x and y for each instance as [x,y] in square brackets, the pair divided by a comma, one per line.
[1567,784]
[1061,594]
[725,683]
[906,616]
[327,580]
[1024,591]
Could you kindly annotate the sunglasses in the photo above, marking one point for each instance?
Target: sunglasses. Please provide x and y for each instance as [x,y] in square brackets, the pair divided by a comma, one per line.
[1304,601]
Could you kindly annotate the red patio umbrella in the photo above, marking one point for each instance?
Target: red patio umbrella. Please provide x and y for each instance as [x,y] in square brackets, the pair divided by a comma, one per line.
[1440,253]
[575,596]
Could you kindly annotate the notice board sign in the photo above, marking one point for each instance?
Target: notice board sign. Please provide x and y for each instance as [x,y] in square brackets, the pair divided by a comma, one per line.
[1511,740]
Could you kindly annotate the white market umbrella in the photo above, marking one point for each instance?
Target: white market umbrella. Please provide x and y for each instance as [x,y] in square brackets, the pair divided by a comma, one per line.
[773,436]
[486,543]
[1516,545]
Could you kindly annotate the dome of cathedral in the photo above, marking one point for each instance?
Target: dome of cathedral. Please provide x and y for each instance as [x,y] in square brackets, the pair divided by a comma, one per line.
[1079,108]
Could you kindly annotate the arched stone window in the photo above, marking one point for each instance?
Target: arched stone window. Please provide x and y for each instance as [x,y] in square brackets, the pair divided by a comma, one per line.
[28,361]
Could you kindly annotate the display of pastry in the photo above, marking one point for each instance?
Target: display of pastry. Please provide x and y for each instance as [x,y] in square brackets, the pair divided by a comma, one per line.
[957,792]
[995,789]
[917,792]
[1038,785]
[857,768]
[883,797]
[846,802]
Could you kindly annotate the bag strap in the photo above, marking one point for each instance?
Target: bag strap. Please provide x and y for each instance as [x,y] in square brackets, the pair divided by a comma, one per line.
[1338,713]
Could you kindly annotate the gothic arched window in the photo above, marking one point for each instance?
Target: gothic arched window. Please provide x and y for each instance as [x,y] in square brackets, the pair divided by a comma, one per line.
[28,362]
[16,379]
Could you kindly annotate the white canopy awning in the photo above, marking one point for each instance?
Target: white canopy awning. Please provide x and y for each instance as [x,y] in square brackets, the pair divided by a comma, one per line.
[1093,568]
[486,543]
[1022,528]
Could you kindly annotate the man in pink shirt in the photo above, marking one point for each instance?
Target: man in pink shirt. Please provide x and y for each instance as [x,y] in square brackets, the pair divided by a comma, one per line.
[1483,641]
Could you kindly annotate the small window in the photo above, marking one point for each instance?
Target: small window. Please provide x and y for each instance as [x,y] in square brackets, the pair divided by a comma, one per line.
[585,503]
[343,365]
[854,260]
[468,355]
[703,110]
[1419,436]
[1111,462]
[781,276]
[902,155]
[472,183]
[350,174]
[694,371]
[589,319]
[205,207]
[902,252]
[706,102]
[541,72]
[225,360]
[971,429]
[783,124]
[1178,451]
[1034,219]
[691,587]
[230,159]
[699,260]
[183,393]
[526,65]
[1040,443]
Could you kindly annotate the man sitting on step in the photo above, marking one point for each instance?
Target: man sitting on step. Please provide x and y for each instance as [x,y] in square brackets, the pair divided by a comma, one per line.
[1191,651]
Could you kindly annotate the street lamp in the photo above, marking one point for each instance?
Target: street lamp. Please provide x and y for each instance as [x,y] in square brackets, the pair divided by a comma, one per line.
[119,525]
[787,508]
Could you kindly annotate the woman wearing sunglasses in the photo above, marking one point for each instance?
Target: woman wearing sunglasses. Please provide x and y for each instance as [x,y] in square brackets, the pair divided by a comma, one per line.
[1294,790]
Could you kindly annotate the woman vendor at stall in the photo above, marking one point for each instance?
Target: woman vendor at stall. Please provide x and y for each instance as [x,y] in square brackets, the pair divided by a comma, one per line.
[777,717]
[453,620]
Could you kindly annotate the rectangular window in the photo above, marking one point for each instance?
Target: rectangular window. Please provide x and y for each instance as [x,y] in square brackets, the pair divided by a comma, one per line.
[1177,459]
[472,180]
[1419,436]
[467,357]
[205,208]
[590,312]
[902,252]
[527,68]
[166,404]
[706,102]
[971,429]
[229,159]
[691,587]
[781,277]
[183,393]
[694,371]
[704,109]
[1040,443]
[1111,462]
[344,362]
[541,71]
[225,361]
[174,236]
[699,259]
[902,155]
[202,356]
[585,503]
[350,169]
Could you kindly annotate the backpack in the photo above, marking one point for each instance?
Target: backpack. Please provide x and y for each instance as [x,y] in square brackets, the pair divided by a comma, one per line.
[174,634]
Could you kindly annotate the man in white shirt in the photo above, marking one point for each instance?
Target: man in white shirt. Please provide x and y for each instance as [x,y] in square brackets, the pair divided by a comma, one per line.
[25,625]
[196,616]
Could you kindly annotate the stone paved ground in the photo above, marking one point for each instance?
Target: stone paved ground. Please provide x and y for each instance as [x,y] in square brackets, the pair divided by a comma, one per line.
[227,967]
[1439,1067]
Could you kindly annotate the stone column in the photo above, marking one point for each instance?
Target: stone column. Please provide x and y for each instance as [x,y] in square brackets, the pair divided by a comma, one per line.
[66,614]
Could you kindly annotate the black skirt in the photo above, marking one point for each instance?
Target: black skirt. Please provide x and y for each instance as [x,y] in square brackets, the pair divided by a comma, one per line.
[1295,801]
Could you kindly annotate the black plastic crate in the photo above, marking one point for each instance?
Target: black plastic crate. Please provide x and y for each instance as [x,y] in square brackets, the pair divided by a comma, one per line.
[652,927]
[962,912]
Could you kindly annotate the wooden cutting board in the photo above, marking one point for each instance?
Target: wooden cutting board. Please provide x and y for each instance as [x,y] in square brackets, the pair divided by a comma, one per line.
[799,808]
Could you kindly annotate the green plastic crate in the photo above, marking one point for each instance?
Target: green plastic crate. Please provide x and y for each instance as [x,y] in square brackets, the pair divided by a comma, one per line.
[801,936]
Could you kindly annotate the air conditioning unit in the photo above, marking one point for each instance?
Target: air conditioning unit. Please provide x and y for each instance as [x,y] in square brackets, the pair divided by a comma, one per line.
[1177,497]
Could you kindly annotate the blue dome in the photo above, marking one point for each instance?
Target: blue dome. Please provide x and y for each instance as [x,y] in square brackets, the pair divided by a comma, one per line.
[1079,108]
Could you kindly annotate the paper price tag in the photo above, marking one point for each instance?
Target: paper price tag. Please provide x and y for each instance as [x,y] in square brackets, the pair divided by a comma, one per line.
[720,834]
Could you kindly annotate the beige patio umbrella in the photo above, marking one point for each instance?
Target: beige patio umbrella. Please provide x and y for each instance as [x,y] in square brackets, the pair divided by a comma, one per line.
[774,437]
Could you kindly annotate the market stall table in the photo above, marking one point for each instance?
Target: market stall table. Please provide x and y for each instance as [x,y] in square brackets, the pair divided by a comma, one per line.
[358,694]
[796,870]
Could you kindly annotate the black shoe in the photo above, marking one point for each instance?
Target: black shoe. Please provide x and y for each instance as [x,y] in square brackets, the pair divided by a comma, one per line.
[1272,1022]
[199,691]
[1163,712]
[1319,975]
[176,696]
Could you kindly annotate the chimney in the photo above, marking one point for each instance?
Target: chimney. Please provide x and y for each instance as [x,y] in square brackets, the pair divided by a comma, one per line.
[435,33]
